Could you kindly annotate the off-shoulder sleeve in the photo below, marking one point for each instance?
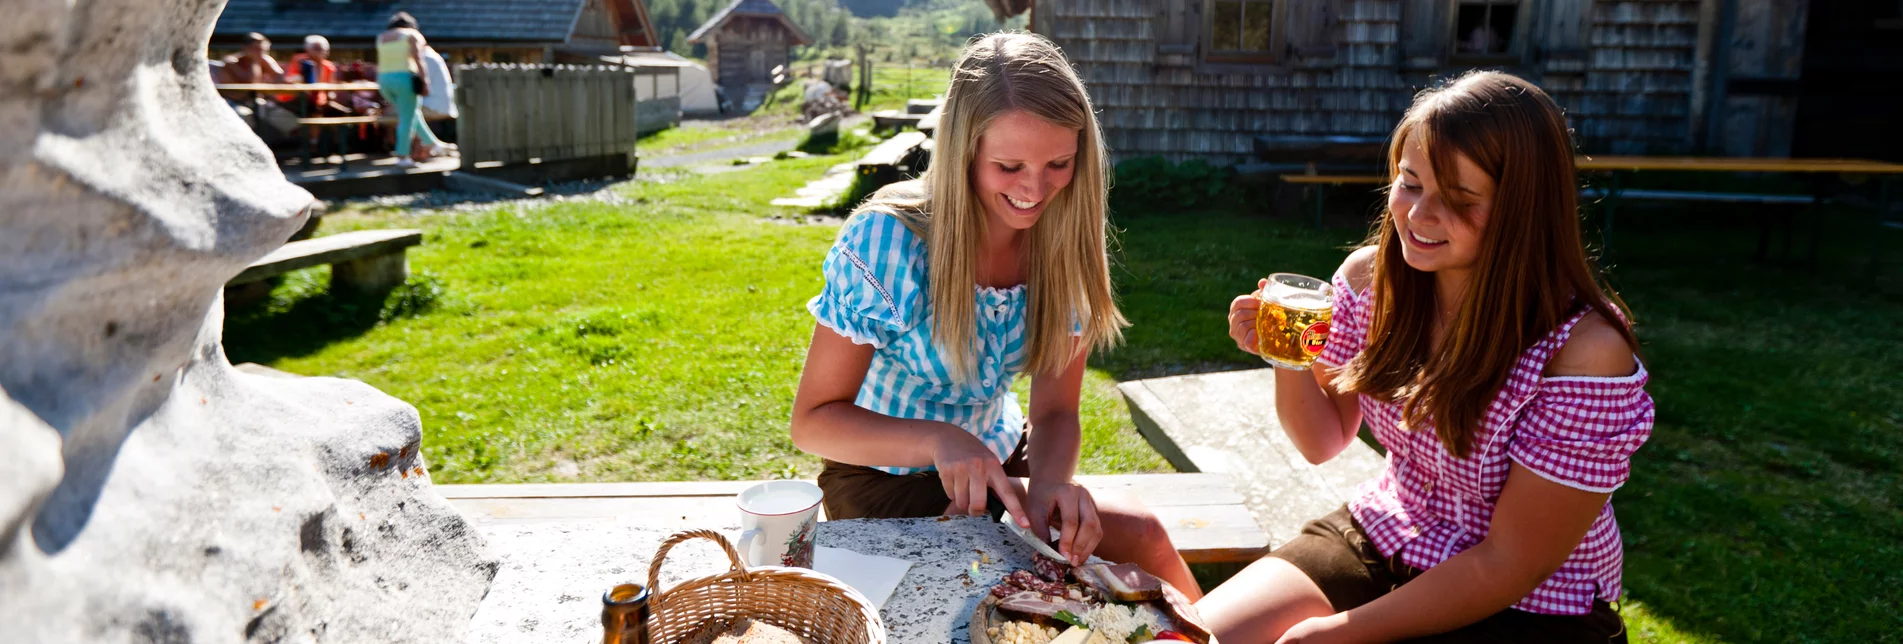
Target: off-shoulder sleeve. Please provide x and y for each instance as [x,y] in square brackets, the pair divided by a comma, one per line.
[874,281]
[1581,432]
[1348,327]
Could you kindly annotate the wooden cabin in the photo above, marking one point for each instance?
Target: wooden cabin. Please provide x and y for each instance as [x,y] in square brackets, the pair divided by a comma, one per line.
[1208,78]
[463,31]
[745,42]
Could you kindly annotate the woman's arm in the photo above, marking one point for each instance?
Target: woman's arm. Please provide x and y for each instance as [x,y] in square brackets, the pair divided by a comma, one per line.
[1319,419]
[827,424]
[416,54]
[1536,525]
[1057,439]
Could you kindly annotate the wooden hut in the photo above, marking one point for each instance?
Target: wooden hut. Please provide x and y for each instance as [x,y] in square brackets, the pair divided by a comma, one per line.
[745,42]
[1208,78]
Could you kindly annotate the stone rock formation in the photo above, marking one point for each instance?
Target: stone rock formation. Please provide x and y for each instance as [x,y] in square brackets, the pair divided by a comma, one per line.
[149,492]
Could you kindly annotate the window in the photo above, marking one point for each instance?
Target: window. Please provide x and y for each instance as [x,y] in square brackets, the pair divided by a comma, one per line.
[1486,28]
[1243,29]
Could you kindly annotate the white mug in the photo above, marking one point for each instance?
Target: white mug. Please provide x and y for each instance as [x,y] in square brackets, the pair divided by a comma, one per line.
[777,523]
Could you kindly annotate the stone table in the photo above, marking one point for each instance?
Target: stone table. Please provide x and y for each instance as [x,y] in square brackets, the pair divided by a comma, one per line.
[553,574]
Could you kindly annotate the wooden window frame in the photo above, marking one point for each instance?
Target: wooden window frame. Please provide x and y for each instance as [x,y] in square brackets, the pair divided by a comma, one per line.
[1516,48]
[1278,41]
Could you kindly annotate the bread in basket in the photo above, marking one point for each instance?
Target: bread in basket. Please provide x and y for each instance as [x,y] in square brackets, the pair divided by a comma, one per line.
[817,607]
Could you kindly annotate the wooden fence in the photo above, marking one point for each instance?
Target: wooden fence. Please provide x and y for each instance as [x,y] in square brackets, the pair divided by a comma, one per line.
[514,113]
[657,94]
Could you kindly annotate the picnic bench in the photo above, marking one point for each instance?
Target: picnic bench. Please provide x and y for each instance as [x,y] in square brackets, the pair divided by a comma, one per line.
[894,158]
[916,112]
[364,261]
[1320,183]
[1617,166]
[319,122]
[1614,193]
[1206,518]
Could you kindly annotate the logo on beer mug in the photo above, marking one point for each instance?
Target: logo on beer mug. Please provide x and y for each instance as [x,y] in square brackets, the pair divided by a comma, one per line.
[1291,326]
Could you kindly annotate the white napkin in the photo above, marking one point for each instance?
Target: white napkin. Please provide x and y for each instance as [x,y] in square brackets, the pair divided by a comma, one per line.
[872,575]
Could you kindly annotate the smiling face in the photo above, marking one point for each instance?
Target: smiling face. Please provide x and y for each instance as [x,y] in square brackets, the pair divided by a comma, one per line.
[1021,163]
[1440,225]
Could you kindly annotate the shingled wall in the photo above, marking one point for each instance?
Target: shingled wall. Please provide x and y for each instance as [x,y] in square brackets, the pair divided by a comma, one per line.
[1624,70]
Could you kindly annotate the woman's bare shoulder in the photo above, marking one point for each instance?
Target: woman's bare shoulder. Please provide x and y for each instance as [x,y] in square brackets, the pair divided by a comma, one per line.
[1596,348]
[1359,267]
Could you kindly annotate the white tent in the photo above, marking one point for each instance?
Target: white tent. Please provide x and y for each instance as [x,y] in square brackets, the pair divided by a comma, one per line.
[696,83]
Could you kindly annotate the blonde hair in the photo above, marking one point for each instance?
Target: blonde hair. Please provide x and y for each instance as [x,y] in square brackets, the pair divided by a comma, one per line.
[1068,273]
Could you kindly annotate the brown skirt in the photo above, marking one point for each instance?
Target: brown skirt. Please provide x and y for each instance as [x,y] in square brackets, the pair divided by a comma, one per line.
[859,492]
[1335,553]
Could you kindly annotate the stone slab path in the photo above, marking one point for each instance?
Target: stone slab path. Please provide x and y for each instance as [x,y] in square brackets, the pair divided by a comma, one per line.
[1226,423]
[823,191]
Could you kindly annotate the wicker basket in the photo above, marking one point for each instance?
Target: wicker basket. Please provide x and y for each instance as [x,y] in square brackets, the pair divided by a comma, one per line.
[812,605]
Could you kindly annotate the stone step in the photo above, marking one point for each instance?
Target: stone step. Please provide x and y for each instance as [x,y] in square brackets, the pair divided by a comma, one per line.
[821,192]
[1226,423]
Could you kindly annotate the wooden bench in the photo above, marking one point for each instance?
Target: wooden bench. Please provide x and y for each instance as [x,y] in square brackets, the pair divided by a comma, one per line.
[1322,182]
[892,159]
[364,261]
[1612,196]
[1206,518]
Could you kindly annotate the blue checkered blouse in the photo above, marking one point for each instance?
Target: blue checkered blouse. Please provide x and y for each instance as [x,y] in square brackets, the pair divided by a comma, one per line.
[876,295]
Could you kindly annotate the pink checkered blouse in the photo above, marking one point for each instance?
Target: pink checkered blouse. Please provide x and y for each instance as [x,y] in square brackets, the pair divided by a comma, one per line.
[1576,431]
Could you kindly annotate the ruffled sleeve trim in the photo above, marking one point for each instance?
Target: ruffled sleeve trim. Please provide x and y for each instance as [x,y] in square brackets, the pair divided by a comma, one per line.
[1581,431]
[825,312]
[874,281]
[1349,322]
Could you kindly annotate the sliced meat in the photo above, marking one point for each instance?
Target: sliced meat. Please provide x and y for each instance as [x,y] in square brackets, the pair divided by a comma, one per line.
[1040,608]
[1050,569]
[1024,580]
[1180,610]
[1122,582]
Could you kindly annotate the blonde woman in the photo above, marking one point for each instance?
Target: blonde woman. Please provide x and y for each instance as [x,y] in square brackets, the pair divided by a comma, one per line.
[940,291]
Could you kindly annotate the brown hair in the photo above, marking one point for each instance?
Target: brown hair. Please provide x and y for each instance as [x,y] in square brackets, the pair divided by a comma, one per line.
[1068,276]
[1532,271]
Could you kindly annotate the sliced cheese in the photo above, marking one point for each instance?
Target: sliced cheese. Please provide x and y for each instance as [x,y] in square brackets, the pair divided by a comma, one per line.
[1073,635]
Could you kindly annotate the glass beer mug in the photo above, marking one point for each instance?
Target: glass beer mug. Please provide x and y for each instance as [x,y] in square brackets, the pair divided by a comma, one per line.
[1291,326]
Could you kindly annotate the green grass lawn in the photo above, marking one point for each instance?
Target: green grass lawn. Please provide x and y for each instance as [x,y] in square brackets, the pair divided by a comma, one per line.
[660,338]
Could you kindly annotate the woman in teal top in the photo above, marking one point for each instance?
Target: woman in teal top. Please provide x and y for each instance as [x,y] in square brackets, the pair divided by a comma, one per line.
[399,63]
[941,290]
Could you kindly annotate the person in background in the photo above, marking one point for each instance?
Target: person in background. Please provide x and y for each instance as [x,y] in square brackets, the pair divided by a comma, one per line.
[314,66]
[253,65]
[439,108]
[402,80]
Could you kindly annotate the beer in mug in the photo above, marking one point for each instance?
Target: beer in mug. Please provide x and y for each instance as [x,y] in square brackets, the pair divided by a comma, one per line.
[1291,326]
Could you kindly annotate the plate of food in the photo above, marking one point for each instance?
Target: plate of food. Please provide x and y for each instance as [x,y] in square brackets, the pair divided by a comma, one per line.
[1096,603]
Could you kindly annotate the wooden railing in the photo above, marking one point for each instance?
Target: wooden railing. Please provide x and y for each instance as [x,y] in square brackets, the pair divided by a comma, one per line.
[514,113]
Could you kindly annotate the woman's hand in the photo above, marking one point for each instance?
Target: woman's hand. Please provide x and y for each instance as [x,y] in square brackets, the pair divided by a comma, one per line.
[1242,312]
[1318,630]
[1077,518]
[968,469]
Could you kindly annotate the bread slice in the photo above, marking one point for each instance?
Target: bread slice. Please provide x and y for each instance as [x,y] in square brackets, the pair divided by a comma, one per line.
[742,631]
